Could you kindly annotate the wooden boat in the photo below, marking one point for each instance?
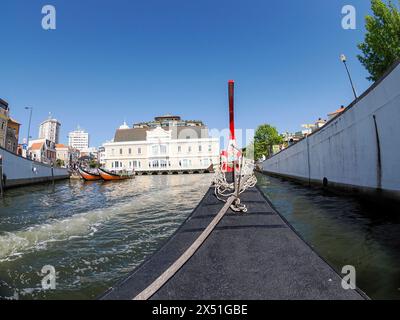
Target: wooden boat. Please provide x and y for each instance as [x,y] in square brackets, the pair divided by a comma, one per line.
[89,176]
[109,176]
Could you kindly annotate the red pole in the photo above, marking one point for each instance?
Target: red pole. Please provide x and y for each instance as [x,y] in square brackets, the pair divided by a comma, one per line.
[231,90]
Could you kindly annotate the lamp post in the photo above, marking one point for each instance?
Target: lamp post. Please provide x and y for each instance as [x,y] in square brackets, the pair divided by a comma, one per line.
[344,60]
[29,127]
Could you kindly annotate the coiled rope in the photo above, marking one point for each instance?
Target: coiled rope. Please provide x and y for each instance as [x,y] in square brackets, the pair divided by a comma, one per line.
[244,179]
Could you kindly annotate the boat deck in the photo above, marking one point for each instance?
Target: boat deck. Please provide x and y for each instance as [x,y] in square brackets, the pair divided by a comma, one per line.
[255,256]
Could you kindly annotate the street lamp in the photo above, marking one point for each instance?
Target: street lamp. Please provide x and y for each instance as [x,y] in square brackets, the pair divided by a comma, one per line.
[29,124]
[344,60]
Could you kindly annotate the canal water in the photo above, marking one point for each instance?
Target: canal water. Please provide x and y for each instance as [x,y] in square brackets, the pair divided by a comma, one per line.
[344,230]
[93,234]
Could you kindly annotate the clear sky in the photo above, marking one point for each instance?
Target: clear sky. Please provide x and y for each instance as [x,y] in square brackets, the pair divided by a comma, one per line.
[126,59]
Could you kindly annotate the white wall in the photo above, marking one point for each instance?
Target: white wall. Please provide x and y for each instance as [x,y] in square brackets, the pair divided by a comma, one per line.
[345,151]
[22,171]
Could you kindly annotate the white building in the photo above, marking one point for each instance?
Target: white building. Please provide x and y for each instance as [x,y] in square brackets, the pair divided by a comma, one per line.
[78,139]
[166,144]
[50,130]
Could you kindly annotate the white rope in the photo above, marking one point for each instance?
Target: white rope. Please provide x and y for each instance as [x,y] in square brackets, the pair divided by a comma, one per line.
[244,180]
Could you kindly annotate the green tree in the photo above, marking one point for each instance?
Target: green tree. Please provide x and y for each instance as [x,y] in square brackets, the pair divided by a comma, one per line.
[266,136]
[93,164]
[60,163]
[381,47]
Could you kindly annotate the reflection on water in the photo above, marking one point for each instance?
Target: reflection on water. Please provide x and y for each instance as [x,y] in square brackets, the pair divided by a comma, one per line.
[92,233]
[345,231]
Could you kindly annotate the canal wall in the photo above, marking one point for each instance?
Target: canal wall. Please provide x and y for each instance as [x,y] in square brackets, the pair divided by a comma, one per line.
[19,171]
[357,150]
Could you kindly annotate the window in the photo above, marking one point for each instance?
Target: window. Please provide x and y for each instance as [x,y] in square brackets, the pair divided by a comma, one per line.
[163,163]
[130,151]
[200,148]
[163,149]
[209,148]
[179,149]
[190,149]
[139,150]
[116,164]
[112,152]
[154,150]
[120,151]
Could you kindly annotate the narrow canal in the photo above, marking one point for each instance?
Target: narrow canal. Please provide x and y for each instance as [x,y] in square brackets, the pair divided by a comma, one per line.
[92,233]
[95,233]
[344,230]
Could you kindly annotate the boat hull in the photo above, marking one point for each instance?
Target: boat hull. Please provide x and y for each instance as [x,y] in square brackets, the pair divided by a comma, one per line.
[108,176]
[87,176]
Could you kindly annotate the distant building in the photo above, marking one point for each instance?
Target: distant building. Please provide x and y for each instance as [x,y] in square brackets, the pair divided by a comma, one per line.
[102,155]
[167,143]
[78,139]
[4,115]
[336,113]
[319,124]
[67,155]
[50,130]
[12,135]
[42,150]
[91,153]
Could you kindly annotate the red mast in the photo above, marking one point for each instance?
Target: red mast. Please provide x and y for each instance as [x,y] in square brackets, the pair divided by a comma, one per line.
[231,91]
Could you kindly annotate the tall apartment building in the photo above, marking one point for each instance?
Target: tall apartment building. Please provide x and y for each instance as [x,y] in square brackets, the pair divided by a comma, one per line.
[78,139]
[50,130]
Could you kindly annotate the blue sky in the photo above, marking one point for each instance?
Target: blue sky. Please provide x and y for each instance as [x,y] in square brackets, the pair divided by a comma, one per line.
[126,59]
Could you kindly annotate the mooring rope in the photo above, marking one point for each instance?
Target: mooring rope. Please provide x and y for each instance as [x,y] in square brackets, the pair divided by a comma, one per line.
[177,265]
[244,180]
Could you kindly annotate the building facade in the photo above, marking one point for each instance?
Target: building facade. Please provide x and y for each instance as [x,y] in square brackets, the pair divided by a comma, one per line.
[78,139]
[66,155]
[4,115]
[50,130]
[12,135]
[42,150]
[165,144]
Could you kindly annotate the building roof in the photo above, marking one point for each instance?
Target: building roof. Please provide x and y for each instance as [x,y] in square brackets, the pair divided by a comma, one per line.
[337,111]
[14,121]
[167,117]
[37,146]
[134,134]
[140,134]
[61,146]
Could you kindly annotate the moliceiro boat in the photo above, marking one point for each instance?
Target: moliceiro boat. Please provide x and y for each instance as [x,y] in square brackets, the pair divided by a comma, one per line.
[110,176]
[89,176]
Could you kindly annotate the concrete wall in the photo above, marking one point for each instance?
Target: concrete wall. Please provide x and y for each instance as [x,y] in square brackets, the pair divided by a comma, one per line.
[358,149]
[20,171]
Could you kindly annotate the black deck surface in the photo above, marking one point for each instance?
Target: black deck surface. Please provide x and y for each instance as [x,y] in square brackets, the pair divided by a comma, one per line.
[248,256]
